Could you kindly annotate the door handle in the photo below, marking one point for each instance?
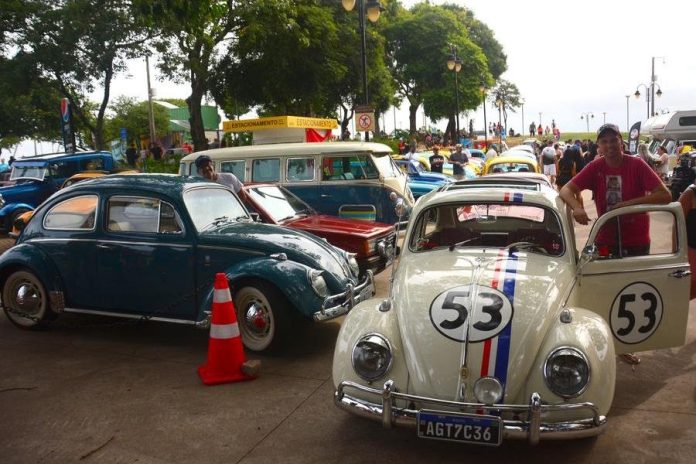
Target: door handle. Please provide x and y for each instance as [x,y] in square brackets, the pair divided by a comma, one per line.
[323,195]
[105,246]
[679,274]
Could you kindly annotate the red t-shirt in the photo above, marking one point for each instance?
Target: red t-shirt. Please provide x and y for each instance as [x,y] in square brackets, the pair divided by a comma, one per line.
[633,179]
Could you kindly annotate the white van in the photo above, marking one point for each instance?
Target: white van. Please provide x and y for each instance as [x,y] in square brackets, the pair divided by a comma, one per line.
[347,179]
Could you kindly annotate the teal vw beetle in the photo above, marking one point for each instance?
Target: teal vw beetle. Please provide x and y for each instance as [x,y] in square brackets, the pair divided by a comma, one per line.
[149,246]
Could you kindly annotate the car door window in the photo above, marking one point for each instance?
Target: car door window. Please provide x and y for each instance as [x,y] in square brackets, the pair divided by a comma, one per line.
[266,170]
[234,167]
[142,215]
[77,213]
[300,169]
[615,239]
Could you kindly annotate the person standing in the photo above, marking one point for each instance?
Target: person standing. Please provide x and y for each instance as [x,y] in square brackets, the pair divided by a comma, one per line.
[662,163]
[436,160]
[206,169]
[617,180]
[156,151]
[411,153]
[532,129]
[688,204]
[459,159]
[131,155]
[540,130]
[548,161]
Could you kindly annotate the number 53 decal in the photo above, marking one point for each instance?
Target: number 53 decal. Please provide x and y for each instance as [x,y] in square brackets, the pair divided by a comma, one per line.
[636,313]
[453,310]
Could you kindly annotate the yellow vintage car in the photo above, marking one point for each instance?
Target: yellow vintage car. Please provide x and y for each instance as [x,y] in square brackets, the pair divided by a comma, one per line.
[501,164]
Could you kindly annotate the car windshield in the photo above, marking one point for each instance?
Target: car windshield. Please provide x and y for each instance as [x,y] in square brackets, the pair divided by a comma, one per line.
[278,202]
[28,172]
[209,206]
[511,167]
[385,165]
[529,227]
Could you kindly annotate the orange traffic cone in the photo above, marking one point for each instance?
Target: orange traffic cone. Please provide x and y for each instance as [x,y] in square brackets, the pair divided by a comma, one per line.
[226,360]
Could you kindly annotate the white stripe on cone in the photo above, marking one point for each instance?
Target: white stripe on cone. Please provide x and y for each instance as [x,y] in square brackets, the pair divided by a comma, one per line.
[222,295]
[224,331]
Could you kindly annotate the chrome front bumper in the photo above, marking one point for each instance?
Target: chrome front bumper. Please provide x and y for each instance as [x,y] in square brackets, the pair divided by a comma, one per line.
[528,425]
[338,305]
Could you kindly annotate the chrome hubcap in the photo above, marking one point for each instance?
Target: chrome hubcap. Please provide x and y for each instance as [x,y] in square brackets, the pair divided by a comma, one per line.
[27,298]
[256,319]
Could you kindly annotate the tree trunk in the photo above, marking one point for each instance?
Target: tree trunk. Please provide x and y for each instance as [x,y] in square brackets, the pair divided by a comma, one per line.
[196,116]
[412,118]
[377,132]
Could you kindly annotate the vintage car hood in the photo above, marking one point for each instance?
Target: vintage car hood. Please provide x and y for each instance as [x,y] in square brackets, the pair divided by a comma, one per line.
[323,225]
[268,239]
[519,289]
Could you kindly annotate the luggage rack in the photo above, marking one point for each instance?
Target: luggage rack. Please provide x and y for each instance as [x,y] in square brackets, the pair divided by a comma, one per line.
[518,184]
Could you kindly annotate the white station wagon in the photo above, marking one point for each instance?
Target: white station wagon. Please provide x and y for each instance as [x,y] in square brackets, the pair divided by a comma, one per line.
[496,327]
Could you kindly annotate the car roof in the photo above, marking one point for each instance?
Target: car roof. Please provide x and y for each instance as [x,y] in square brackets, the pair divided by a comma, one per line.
[493,188]
[58,156]
[160,183]
[277,149]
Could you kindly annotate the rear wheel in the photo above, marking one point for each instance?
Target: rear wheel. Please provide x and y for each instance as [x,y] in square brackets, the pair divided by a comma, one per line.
[263,316]
[25,300]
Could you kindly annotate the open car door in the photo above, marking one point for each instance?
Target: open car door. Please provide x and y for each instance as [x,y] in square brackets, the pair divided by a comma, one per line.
[645,299]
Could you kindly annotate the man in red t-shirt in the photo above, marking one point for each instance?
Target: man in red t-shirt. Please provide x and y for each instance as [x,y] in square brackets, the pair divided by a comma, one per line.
[617,180]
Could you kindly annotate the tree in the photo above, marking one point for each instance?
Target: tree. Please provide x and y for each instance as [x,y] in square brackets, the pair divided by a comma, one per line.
[418,44]
[192,39]
[134,117]
[506,96]
[78,45]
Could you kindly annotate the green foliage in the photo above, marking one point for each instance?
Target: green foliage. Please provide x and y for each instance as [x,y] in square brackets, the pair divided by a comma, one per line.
[134,117]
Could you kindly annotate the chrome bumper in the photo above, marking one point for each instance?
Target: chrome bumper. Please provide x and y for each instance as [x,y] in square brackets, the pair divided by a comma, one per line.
[528,426]
[340,304]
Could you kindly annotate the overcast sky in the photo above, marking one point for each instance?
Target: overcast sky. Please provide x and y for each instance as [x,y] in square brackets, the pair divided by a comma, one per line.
[567,58]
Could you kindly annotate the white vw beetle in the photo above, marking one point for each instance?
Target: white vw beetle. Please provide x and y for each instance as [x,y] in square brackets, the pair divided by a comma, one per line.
[496,327]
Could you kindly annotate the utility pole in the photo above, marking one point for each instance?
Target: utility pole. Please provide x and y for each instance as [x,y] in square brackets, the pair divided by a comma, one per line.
[151,115]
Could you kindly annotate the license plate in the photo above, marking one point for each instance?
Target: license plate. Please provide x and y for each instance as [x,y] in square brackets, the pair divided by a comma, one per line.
[460,427]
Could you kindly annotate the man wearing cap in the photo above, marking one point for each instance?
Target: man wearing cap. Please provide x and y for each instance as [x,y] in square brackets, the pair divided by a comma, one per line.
[206,169]
[617,180]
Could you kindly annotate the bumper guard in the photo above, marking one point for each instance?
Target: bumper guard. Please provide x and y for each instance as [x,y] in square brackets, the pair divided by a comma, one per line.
[528,425]
[340,304]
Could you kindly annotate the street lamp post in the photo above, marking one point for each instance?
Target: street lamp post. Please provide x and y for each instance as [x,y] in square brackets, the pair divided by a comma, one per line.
[650,89]
[586,117]
[539,119]
[628,128]
[522,106]
[373,8]
[455,64]
[604,117]
[485,123]
[499,103]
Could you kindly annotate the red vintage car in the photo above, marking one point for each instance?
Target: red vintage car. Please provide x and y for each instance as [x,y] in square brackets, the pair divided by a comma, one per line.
[372,242]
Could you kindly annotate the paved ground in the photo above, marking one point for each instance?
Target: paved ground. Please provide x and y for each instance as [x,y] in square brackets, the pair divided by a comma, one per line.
[91,390]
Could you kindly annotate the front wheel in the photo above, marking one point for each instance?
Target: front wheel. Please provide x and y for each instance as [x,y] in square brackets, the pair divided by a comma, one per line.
[262,315]
[25,300]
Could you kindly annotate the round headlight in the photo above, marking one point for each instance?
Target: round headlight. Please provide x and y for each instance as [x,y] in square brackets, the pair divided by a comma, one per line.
[353,263]
[372,357]
[318,283]
[566,372]
[488,390]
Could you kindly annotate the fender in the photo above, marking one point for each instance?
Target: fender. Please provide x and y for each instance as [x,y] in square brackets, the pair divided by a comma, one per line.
[8,209]
[288,276]
[26,255]
[366,318]
[589,333]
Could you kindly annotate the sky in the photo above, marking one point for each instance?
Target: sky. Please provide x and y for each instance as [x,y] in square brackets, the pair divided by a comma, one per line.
[567,59]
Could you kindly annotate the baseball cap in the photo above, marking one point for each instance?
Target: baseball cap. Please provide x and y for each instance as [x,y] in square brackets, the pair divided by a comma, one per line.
[608,128]
[202,161]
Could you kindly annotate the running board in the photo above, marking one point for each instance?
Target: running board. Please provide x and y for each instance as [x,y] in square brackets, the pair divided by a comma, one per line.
[201,324]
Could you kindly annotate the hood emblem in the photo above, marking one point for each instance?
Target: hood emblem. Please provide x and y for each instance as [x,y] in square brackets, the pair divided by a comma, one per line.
[484,315]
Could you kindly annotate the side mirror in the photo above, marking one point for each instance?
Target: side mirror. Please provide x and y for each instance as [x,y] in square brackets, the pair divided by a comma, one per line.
[255,217]
[589,254]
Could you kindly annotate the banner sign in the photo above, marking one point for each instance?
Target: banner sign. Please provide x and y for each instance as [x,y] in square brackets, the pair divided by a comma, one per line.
[278,122]
[633,138]
[66,126]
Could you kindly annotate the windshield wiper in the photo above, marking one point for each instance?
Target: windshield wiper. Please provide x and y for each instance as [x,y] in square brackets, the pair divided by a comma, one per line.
[216,222]
[463,242]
